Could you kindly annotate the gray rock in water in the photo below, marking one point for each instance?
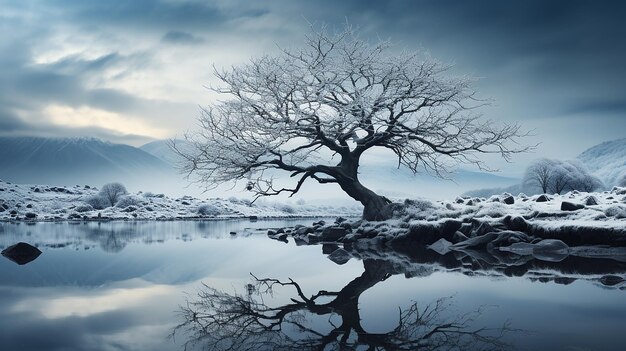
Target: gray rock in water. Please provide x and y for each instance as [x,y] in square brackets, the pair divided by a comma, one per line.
[21,253]
[551,250]
[543,198]
[570,206]
[611,280]
[333,233]
[340,256]
[441,246]
[329,248]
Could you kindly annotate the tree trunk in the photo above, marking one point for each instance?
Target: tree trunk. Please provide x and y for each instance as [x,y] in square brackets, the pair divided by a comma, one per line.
[376,207]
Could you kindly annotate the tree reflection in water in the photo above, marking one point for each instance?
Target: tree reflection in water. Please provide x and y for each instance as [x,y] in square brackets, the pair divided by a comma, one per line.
[217,320]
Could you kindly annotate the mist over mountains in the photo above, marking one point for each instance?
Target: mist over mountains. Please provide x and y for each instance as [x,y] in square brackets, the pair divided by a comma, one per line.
[69,161]
[151,167]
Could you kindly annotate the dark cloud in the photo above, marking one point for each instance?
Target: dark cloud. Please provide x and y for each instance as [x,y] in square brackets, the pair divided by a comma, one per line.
[176,37]
[537,59]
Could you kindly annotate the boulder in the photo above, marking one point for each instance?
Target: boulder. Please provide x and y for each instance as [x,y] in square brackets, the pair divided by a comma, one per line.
[30,215]
[542,198]
[516,223]
[552,250]
[327,249]
[449,227]
[611,280]
[509,200]
[333,233]
[441,246]
[570,206]
[340,256]
[21,253]
[591,201]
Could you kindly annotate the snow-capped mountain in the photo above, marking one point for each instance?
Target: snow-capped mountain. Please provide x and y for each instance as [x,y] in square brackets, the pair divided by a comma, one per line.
[606,160]
[75,161]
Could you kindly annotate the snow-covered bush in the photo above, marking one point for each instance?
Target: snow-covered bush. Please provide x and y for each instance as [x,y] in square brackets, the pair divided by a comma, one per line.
[287,208]
[555,176]
[412,209]
[128,200]
[97,202]
[208,210]
[616,211]
[83,208]
[112,193]
[149,194]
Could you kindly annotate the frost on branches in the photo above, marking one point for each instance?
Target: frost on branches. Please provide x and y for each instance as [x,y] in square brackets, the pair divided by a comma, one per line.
[313,112]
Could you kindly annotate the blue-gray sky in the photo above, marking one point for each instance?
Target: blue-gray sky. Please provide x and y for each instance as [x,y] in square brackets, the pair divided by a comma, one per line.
[131,71]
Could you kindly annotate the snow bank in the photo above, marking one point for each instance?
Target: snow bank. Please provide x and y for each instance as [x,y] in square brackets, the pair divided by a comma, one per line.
[51,203]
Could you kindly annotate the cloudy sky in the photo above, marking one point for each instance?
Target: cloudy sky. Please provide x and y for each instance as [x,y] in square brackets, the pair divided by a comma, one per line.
[133,71]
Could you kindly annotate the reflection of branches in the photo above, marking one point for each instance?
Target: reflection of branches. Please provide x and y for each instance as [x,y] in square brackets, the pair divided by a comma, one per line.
[222,321]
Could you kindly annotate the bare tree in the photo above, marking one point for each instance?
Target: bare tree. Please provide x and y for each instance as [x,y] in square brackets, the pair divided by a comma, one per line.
[539,174]
[112,192]
[313,112]
[222,321]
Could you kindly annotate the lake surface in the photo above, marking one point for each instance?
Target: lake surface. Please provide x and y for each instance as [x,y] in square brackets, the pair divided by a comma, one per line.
[126,286]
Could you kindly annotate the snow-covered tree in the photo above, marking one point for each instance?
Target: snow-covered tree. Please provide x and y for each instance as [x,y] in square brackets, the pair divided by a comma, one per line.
[112,193]
[557,176]
[539,174]
[313,112]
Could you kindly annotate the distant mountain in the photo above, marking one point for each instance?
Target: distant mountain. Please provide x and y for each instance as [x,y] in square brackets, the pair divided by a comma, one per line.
[606,160]
[68,161]
[162,150]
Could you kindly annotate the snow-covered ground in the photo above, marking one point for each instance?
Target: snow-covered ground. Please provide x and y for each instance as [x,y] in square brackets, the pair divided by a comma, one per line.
[44,203]
[605,209]
[51,203]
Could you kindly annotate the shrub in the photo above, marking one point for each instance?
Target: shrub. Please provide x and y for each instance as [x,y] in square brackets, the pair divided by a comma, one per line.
[112,193]
[84,208]
[616,211]
[128,200]
[97,202]
[287,208]
[208,210]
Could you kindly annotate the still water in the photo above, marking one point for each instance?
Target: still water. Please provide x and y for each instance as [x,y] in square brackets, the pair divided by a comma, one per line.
[171,285]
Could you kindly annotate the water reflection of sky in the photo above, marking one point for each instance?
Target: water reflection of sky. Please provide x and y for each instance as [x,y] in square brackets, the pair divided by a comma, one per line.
[117,286]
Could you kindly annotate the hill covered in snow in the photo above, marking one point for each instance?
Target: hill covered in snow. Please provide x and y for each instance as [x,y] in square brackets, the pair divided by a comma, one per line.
[70,161]
[607,161]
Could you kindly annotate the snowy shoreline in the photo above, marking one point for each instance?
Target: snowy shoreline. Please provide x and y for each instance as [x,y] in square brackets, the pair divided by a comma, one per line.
[575,211]
[42,203]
